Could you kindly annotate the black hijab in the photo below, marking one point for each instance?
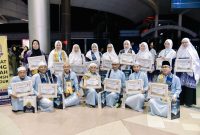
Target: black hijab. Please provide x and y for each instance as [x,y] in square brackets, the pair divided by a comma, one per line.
[36,52]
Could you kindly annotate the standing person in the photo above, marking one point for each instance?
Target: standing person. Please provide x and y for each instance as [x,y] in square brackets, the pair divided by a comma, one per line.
[14,58]
[76,57]
[127,49]
[57,55]
[44,76]
[23,54]
[17,103]
[70,86]
[94,54]
[110,54]
[160,106]
[145,54]
[189,80]
[113,99]
[136,101]
[35,51]
[91,93]
[153,51]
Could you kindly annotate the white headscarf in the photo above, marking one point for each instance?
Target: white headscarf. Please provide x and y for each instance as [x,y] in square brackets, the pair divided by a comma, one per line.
[75,58]
[146,54]
[110,55]
[58,41]
[129,43]
[89,53]
[168,52]
[190,51]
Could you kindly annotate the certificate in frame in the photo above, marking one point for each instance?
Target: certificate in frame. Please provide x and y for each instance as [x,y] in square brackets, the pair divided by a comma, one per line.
[92,82]
[134,86]
[183,65]
[34,61]
[112,85]
[158,90]
[127,59]
[21,89]
[159,62]
[78,69]
[47,90]
[146,64]
[106,65]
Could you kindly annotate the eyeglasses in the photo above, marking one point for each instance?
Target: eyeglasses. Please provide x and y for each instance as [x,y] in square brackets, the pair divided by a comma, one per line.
[165,66]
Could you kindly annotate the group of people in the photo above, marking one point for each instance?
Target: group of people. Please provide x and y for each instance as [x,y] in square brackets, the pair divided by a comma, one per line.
[181,86]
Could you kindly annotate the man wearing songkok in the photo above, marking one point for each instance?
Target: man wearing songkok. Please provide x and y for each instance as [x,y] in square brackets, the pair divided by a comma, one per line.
[113,99]
[70,86]
[91,93]
[17,103]
[44,76]
[160,106]
[136,101]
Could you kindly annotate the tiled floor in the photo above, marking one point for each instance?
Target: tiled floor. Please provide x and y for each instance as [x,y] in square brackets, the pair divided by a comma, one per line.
[93,121]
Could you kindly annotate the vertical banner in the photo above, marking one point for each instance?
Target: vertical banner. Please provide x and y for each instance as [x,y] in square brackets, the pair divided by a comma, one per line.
[4,71]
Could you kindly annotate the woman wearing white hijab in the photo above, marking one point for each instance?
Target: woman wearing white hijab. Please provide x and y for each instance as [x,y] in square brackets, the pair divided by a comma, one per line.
[189,80]
[127,49]
[94,54]
[76,57]
[57,55]
[144,53]
[110,54]
[168,52]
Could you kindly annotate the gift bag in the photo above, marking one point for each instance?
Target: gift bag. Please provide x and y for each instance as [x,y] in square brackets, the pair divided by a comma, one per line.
[174,110]
[102,99]
[30,104]
[59,102]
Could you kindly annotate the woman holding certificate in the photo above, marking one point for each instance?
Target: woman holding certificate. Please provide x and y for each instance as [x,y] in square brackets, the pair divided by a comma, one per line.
[110,55]
[127,50]
[76,57]
[70,87]
[94,54]
[113,99]
[90,82]
[160,106]
[57,55]
[189,79]
[136,101]
[17,102]
[45,77]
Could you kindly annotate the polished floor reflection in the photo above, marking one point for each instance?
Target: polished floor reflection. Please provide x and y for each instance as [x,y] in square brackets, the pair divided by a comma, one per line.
[93,121]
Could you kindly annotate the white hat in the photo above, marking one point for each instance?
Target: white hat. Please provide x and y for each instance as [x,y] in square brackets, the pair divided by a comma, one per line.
[92,65]
[21,69]
[42,63]
[116,61]
[136,63]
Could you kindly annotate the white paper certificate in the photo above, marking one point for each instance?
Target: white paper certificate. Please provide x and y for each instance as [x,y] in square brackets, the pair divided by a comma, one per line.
[127,59]
[158,90]
[134,86]
[106,65]
[93,82]
[34,61]
[183,65]
[159,62]
[21,89]
[112,85]
[48,90]
[78,69]
[146,64]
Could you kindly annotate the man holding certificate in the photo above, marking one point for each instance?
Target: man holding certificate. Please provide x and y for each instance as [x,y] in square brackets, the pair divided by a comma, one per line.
[90,82]
[113,98]
[136,101]
[70,87]
[17,102]
[160,106]
[45,77]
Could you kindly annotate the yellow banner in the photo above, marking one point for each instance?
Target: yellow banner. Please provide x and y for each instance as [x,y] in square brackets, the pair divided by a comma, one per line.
[4,70]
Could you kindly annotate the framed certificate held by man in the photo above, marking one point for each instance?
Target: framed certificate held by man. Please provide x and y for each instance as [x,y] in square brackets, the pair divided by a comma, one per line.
[92,82]
[112,85]
[47,90]
[106,65]
[183,65]
[134,86]
[78,69]
[146,64]
[158,90]
[34,61]
[159,62]
[21,89]
[127,59]
[58,68]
